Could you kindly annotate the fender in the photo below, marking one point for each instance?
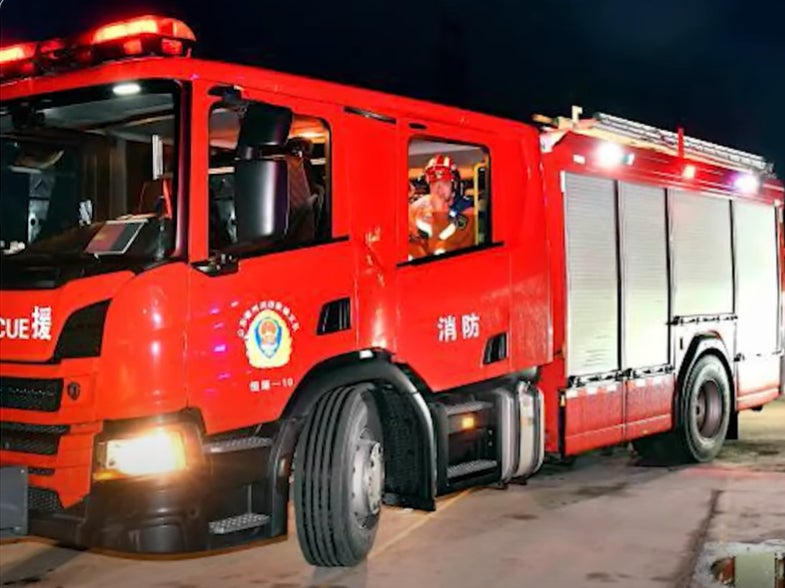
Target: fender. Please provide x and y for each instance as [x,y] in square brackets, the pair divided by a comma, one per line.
[409,440]
[699,346]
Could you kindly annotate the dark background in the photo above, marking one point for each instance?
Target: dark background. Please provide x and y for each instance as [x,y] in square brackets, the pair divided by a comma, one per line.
[715,66]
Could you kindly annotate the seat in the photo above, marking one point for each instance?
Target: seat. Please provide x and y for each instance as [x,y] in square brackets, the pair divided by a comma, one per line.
[156,198]
[304,148]
[302,225]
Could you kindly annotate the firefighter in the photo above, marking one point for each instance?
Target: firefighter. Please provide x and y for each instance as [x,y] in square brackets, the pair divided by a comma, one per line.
[444,219]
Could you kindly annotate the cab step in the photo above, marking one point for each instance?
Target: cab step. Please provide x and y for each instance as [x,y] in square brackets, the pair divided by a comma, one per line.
[232,445]
[248,520]
[471,467]
[467,407]
[466,433]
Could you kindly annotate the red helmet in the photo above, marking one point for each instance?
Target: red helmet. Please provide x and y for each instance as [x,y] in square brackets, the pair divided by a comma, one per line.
[440,168]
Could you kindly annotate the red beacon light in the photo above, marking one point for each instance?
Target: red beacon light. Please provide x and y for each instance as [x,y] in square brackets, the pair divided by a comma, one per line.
[145,35]
[17,60]
[16,53]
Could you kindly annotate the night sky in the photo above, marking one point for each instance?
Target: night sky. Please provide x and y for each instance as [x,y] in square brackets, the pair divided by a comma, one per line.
[715,66]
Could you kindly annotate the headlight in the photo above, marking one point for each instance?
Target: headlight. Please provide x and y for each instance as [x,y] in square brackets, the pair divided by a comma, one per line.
[163,450]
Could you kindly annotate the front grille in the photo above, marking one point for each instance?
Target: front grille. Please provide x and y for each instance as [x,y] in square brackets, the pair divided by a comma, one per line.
[24,438]
[31,394]
[43,500]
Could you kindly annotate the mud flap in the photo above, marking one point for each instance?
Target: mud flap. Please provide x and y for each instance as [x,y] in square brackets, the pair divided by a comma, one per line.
[410,449]
[13,501]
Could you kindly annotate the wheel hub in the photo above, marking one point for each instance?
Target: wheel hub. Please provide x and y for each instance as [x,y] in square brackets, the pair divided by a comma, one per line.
[367,479]
[708,409]
[373,481]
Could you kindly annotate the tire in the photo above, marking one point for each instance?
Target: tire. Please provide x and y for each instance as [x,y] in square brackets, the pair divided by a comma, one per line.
[339,478]
[703,419]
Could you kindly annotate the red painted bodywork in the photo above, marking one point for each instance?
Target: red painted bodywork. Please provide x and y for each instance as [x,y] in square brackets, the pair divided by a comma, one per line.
[644,405]
[171,338]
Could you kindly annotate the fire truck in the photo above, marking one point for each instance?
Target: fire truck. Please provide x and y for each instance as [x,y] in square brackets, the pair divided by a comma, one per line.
[227,289]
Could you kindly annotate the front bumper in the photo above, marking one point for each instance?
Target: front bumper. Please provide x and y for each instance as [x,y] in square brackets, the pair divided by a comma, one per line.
[127,516]
[196,510]
[135,517]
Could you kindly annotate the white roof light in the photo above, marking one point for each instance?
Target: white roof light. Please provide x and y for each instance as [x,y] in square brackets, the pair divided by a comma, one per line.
[747,183]
[609,154]
[127,89]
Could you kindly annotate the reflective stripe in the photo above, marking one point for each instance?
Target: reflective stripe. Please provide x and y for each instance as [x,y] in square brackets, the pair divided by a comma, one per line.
[424,227]
[448,232]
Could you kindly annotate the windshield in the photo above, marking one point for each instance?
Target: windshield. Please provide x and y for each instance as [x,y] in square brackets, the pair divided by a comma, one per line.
[90,174]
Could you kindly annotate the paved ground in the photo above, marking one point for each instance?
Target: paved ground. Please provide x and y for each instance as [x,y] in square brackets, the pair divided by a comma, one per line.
[603,522]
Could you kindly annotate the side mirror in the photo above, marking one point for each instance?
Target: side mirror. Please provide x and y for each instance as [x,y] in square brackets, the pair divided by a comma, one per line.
[261,174]
[261,199]
[264,125]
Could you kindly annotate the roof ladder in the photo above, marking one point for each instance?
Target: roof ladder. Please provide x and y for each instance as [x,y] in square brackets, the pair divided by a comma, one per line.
[670,140]
[638,134]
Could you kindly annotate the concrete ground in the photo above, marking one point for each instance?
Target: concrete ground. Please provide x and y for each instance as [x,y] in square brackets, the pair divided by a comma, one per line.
[602,522]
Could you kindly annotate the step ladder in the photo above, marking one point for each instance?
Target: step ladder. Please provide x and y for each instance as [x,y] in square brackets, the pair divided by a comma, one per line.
[242,522]
[247,520]
[472,424]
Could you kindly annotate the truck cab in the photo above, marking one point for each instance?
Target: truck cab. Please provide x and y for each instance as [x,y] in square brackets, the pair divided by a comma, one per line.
[196,253]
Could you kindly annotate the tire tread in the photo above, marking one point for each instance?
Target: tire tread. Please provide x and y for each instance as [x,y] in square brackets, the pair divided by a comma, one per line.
[316,454]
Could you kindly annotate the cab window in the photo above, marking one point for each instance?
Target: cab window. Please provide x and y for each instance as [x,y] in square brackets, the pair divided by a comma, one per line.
[448,197]
[307,155]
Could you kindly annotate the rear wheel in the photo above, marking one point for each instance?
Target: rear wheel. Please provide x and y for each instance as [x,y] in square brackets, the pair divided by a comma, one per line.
[339,478]
[704,415]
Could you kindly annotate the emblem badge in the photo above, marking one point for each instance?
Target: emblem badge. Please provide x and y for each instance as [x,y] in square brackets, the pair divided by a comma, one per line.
[267,330]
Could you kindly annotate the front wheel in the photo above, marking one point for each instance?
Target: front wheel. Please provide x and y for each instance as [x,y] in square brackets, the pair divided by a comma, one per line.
[339,478]
[704,416]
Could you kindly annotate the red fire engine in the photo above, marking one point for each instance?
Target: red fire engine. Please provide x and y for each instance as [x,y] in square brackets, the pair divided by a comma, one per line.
[219,281]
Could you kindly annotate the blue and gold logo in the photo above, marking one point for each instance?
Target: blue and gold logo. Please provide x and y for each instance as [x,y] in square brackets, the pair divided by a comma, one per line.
[267,330]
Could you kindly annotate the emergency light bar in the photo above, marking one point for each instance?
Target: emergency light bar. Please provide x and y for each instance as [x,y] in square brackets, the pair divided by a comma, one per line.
[17,52]
[150,25]
[145,35]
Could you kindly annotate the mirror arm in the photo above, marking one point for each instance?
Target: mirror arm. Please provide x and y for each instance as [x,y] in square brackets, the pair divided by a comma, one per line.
[219,264]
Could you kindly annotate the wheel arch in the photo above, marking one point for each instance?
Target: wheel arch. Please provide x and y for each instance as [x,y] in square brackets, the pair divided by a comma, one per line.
[708,343]
[408,435]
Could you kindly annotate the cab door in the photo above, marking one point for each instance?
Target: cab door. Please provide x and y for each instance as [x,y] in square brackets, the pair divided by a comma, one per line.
[261,318]
[453,300]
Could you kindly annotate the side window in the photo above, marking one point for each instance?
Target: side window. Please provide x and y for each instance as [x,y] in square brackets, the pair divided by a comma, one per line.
[307,154]
[449,197]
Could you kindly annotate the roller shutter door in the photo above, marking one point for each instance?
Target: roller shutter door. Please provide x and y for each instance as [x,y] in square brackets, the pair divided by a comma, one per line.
[644,275]
[756,263]
[592,277]
[702,268]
